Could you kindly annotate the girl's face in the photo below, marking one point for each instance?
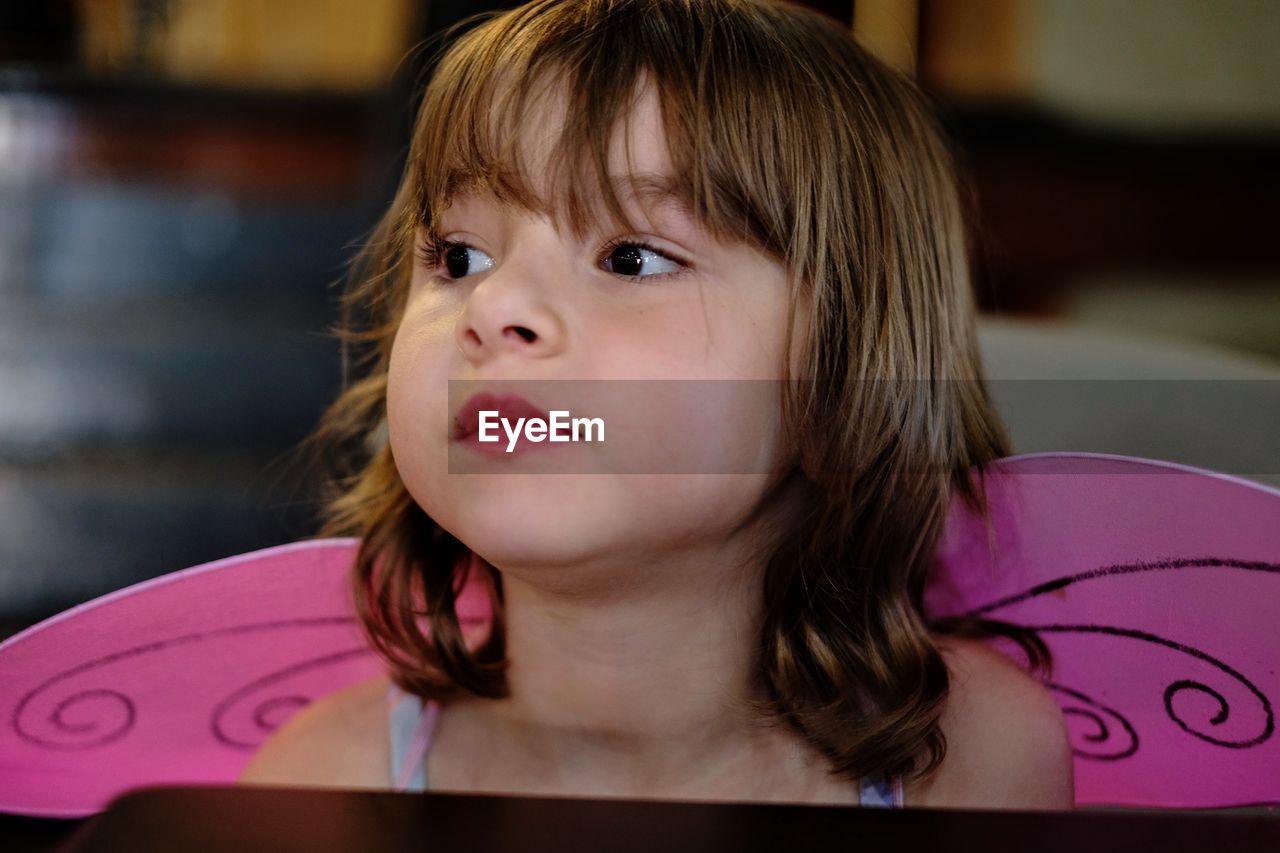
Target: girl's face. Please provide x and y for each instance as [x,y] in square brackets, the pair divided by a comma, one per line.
[513,303]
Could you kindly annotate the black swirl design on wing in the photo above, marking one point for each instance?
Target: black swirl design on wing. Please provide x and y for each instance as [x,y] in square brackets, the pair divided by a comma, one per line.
[1089,708]
[1224,711]
[1102,742]
[1123,569]
[101,715]
[261,712]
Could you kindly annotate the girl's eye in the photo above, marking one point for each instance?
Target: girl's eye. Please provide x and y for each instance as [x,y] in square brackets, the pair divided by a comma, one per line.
[461,260]
[629,259]
[636,260]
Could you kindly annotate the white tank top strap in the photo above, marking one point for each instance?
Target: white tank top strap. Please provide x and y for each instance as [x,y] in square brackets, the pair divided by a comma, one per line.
[881,792]
[411,727]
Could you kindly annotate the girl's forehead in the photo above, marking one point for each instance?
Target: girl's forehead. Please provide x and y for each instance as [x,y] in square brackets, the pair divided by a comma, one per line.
[648,193]
[637,143]
[639,174]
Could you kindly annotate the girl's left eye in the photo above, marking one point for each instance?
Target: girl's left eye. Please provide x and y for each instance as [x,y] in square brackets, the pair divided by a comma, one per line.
[461,260]
[451,260]
[636,260]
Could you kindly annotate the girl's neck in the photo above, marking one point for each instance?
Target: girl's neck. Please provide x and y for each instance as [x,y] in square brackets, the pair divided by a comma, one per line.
[643,683]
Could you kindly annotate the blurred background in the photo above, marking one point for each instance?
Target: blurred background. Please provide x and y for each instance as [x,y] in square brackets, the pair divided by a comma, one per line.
[183,181]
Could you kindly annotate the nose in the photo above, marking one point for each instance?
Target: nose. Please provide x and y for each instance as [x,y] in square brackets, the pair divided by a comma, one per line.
[509,313]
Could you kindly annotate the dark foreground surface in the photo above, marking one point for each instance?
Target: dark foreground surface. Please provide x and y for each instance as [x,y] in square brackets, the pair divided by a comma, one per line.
[246,820]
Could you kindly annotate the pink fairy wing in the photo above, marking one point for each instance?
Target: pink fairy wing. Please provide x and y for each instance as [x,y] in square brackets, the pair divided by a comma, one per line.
[1157,588]
[177,679]
[180,679]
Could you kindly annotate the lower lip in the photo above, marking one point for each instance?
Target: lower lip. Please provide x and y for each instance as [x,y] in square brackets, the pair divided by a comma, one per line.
[499,448]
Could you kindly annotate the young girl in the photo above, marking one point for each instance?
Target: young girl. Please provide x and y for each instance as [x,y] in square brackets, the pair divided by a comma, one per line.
[711,190]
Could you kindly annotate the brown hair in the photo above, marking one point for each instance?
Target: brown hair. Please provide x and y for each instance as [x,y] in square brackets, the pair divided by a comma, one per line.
[786,134]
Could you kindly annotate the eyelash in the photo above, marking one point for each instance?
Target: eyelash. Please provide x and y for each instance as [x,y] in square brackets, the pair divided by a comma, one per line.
[430,253]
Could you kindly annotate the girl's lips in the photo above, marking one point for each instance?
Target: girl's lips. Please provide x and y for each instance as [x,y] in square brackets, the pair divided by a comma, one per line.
[498,449]
[512,407]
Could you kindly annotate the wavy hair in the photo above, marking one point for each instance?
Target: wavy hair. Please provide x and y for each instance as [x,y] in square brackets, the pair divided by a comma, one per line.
[786,134]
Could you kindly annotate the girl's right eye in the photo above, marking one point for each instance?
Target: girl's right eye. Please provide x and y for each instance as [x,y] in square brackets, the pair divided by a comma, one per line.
[458,259]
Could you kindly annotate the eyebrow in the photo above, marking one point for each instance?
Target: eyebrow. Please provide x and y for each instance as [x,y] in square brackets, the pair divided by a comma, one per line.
[653,188]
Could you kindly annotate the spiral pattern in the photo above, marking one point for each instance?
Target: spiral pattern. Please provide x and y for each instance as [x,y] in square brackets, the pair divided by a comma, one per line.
[83,720]
[1102,743]
[264,712]
[53,715]
[1224,711]
[1081,706]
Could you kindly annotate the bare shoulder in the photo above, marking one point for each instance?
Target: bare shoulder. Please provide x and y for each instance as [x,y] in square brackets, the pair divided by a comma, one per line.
[1007,746]
[338,741]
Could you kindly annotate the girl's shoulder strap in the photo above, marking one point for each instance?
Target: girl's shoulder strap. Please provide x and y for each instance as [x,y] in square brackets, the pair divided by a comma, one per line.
[411,724]
[881,791]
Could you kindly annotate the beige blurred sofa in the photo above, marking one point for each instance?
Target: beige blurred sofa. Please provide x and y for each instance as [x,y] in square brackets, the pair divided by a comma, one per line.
[1062,387]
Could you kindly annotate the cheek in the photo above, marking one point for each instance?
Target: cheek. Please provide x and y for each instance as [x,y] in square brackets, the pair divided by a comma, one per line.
[417,408]
[687,426]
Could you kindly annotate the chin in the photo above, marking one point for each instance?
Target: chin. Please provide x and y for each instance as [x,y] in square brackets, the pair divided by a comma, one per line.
[514,521]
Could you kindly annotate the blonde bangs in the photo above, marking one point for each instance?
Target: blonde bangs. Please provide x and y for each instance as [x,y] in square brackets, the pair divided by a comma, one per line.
[496,88]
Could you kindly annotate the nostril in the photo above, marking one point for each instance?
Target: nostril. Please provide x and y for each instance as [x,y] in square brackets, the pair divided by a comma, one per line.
[528,335]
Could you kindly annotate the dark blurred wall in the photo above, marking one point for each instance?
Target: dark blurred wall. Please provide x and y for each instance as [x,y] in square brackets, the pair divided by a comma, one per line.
[170,252]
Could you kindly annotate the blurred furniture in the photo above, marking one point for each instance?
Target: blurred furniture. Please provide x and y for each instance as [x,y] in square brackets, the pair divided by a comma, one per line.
[1103,141]
[1055,202]
[304,45]
[1060,387]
